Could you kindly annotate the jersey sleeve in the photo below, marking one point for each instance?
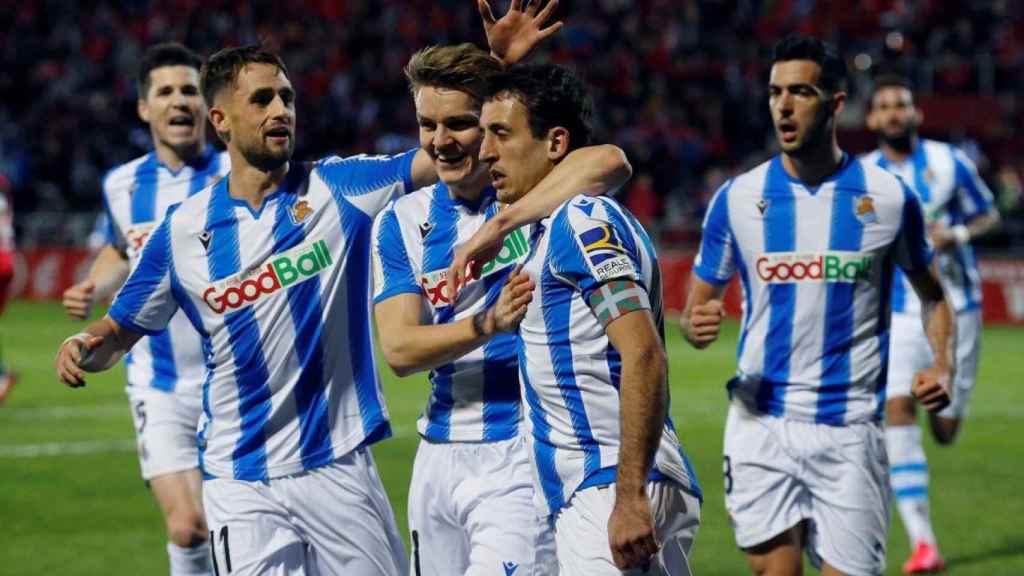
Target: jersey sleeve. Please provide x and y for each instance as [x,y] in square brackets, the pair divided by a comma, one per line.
[392,270]
[106,225]
[714,263]
[592,248]
[973,194]
[368,182]
[913,250]
[146,302]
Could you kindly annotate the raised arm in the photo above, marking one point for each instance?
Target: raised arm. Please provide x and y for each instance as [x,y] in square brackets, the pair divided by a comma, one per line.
[108,272]
[593,170]
[101,345]
[410,346]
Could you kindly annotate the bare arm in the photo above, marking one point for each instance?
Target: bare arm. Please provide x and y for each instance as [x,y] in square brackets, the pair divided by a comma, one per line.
[100,346]
[944,238]
[423,172]
[108,272]
[594,170]
[410,346]
[643,405]
[931,385]
[702,317]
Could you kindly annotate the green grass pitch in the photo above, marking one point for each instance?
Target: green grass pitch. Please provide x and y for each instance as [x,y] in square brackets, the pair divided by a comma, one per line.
[72,502]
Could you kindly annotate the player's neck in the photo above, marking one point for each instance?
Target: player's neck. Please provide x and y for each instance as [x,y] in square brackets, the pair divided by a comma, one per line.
[814,166]
[470,191]
[898,151]
[253,185]
[175,158]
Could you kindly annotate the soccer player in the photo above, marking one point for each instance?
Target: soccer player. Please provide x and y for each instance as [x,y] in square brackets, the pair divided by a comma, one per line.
[7,377]
[607,462]
[165,371]
[814,236]
[958,208]
[271,266]
[471,499]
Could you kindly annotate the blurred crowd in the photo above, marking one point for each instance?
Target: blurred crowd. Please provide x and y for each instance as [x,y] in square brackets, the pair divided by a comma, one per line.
[679,84]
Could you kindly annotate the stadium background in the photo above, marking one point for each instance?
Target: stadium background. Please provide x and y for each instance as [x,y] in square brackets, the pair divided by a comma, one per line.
[680,85]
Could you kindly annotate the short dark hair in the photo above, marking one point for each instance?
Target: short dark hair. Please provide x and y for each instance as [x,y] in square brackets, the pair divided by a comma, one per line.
[160,55]
[223,67]
[464,67]
[825,55]
[891,80]
[553,96]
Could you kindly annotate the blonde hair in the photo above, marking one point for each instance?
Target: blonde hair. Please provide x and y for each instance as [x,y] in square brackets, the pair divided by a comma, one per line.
[462,67]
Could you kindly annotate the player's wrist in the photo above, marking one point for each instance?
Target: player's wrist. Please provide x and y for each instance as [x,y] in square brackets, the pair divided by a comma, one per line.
[483,323]
[960,234]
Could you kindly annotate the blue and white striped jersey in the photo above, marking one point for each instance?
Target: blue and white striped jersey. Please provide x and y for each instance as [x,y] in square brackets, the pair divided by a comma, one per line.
[816,267]
[136,195]
[569,369]
[475,398]
[952,193]
[280,299]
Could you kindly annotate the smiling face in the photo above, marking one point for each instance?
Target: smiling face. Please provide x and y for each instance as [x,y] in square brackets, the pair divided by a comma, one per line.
[802,111]
[517,160]
[450,134]
[256,116]
[174,108]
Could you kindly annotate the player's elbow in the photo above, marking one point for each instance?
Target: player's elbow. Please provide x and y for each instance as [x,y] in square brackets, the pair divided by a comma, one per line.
[648,356]
[399,363]
[615,162]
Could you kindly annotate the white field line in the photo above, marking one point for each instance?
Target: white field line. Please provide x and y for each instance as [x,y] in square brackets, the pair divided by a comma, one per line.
[67,448]
[97,411]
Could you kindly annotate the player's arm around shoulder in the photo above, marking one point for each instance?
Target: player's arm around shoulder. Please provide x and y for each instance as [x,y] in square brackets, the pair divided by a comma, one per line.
[101,345]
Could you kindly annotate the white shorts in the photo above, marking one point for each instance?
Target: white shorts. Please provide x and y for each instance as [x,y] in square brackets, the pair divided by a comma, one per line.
[909,352]
[165,430]
[581,531]
[335,519]
[780,472]
[472,511]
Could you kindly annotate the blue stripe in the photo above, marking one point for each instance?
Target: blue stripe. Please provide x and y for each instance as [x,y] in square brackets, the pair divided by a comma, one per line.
[165,373]
[748,305]
[966,179]
[143,195]
[556,306]
[899,291]
[438,249]
[307,317]
[543,451]
[716,239]
[394,260]
[910,467]
[500,373]
[779,236]
[356,228]
[251,376]
[911,492]
[210,167]
[846,233]
[920,163]
[154,264]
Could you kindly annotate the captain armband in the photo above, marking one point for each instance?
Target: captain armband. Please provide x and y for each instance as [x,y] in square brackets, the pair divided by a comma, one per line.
[617,298]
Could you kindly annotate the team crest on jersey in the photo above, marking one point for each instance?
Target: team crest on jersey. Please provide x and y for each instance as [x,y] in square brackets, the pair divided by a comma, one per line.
[300,211]
[605,252]
[865,210]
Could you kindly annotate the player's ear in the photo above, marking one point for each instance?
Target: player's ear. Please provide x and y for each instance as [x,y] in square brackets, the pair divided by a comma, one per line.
[142,107]
[838,102]
[220,122]
[558,143]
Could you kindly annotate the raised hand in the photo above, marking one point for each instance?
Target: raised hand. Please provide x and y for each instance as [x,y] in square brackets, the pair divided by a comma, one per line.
[704,322]
[471,256]
[516,295]
[520,30]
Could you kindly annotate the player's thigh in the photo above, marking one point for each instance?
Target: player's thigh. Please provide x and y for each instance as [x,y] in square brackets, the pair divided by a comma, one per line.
[250,531]
[165,431]
[968,350]
[850,500]
[908,352]
[179,495]
[506,529]
[581,531]
[440,546]
[764,494]
[344,515]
